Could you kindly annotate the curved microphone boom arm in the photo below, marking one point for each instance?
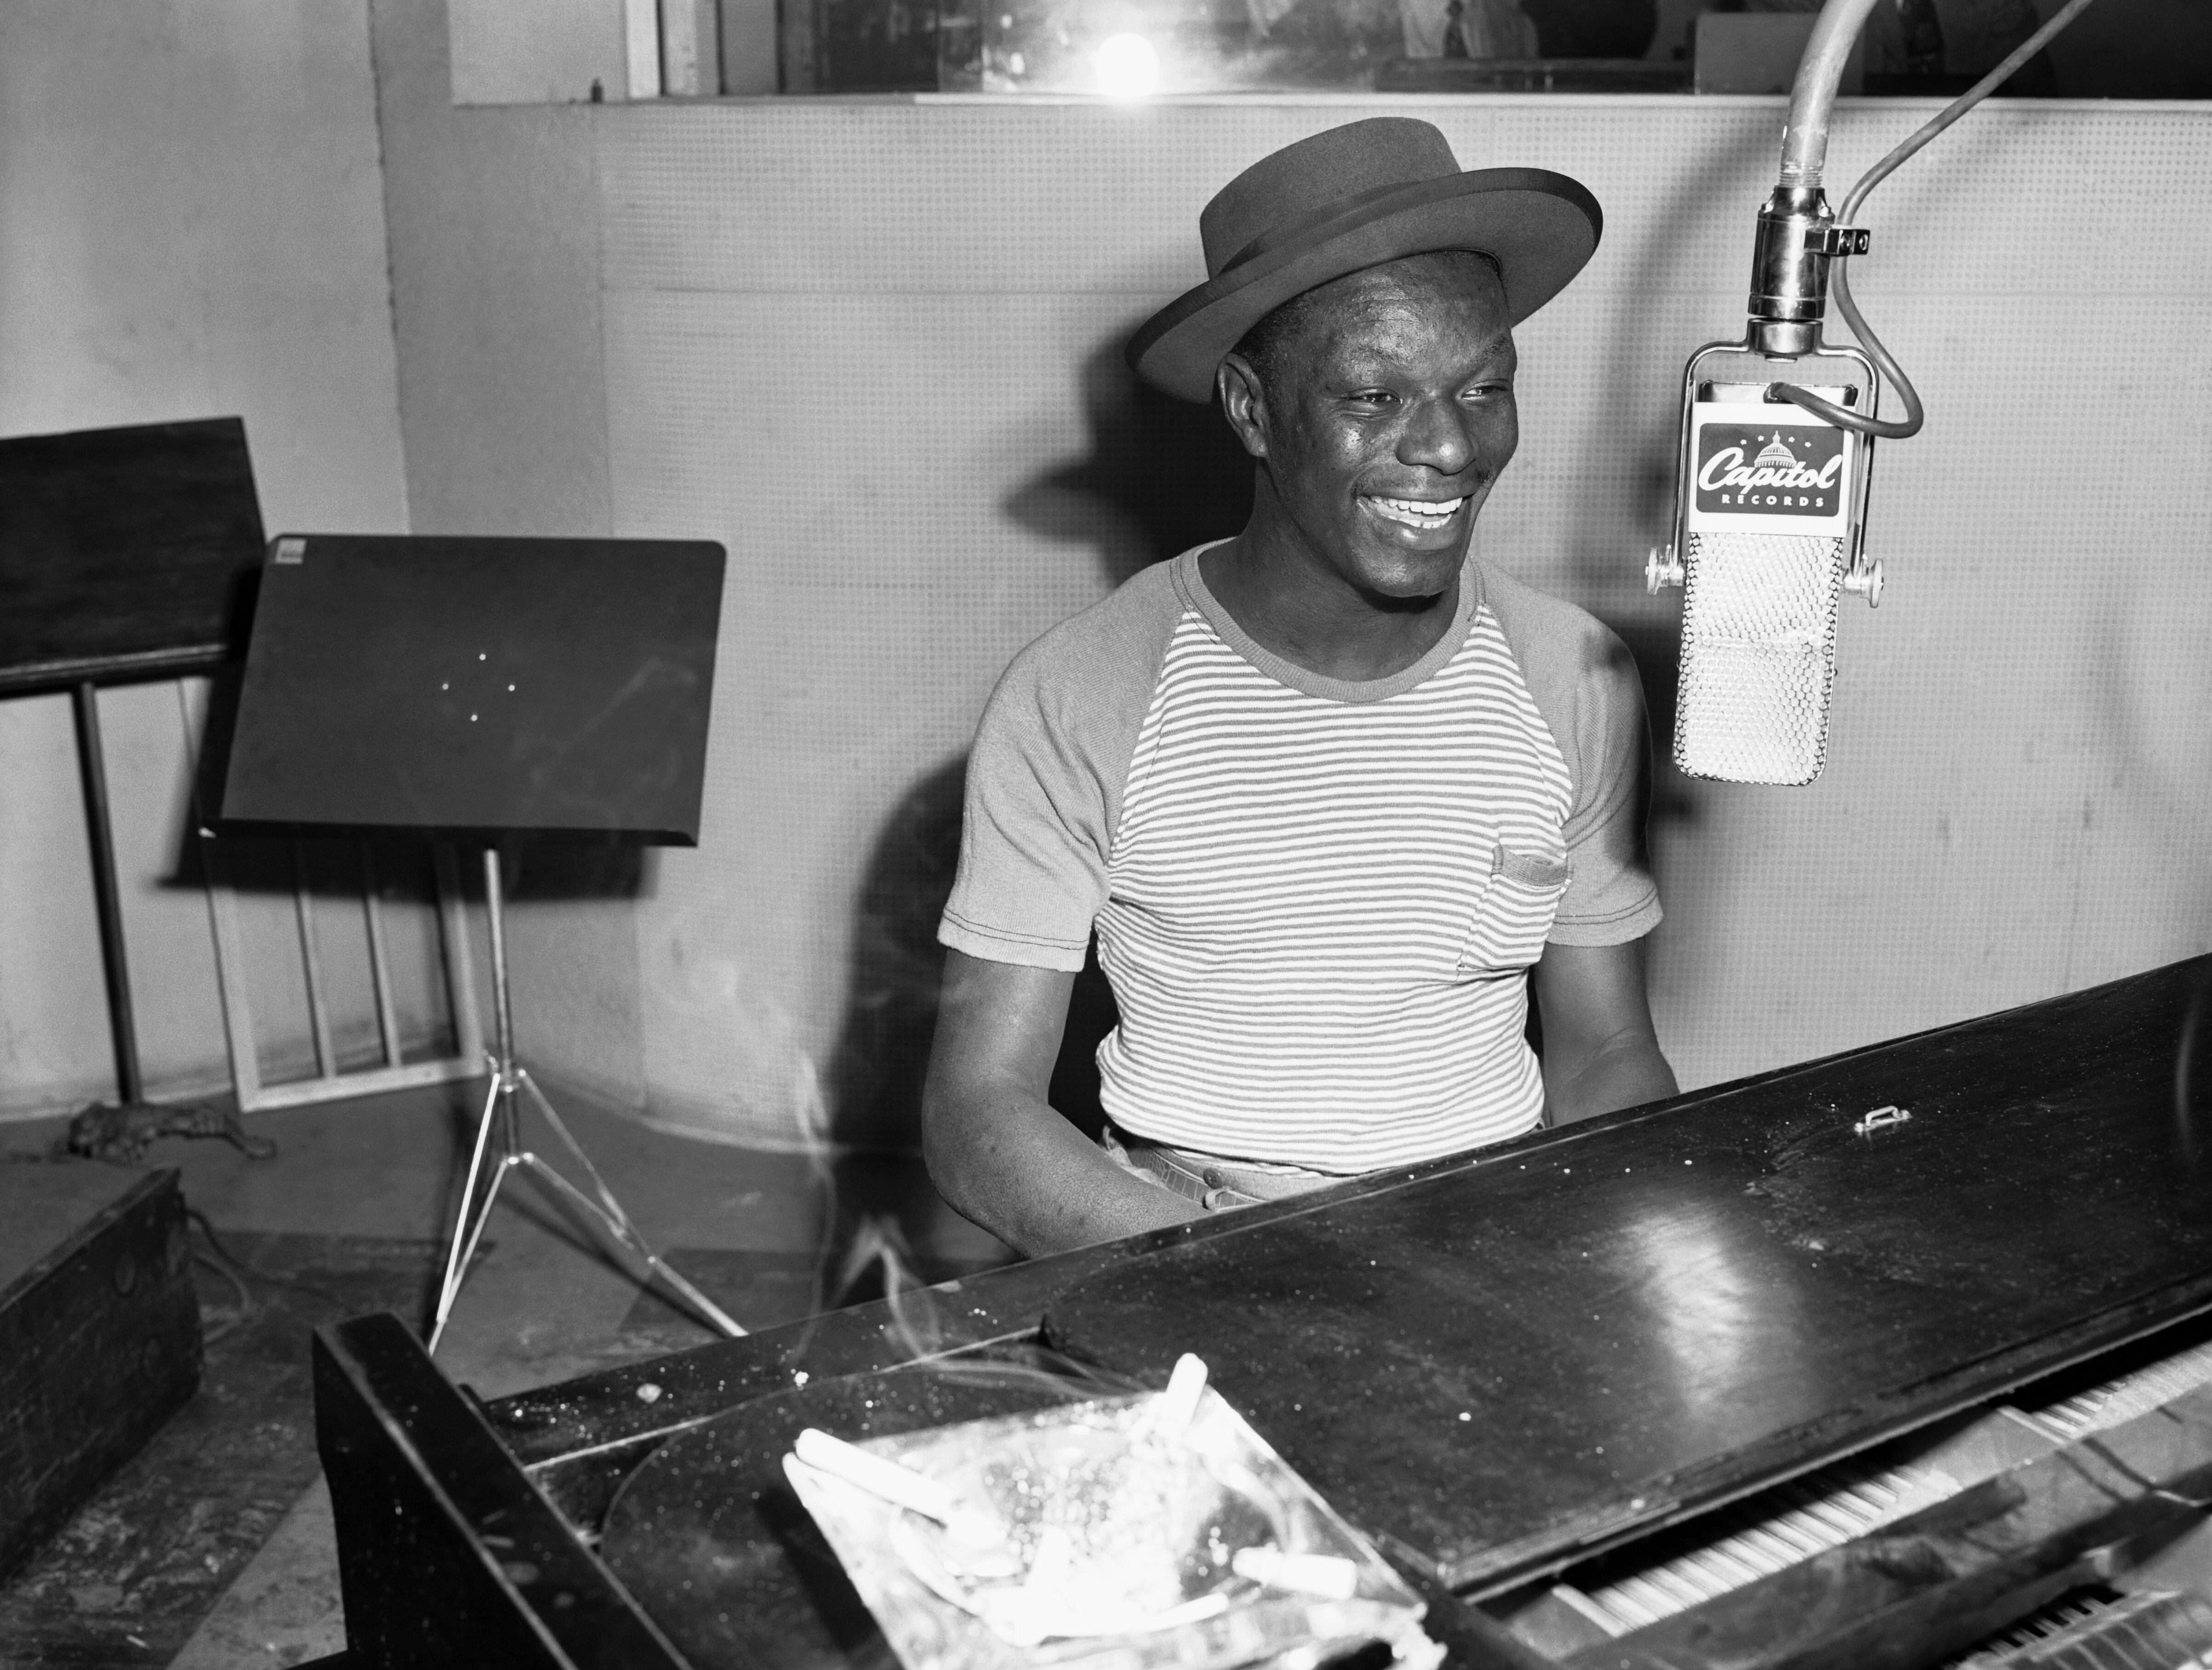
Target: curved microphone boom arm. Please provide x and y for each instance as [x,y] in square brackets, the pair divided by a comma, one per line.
[1798,239]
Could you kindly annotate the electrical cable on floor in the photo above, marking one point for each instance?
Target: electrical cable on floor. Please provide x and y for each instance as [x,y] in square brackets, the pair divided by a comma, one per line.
[237,1266]
[224,1325]
[1915,414]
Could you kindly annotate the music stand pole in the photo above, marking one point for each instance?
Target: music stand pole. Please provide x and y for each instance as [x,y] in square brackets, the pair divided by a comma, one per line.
[107,903]
[106,895]
[502,1112]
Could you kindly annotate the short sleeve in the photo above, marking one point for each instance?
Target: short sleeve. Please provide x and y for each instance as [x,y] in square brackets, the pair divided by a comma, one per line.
[1045,779]
[1585,683]
[1611,896]
[1033,841]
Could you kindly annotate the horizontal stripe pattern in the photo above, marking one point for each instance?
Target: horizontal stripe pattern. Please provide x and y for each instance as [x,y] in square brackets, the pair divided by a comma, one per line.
[1316,959]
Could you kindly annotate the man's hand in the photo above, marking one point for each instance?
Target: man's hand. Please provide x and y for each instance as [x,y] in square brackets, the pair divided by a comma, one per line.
[996,1148]
[1600,1050]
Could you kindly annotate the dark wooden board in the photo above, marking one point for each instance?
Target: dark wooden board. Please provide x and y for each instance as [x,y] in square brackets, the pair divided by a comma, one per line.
[1552,1348]
[448,1554]
[124,552]
[99,1345]
[580,1423]
[471,686]
[545,1426]
[44,1205]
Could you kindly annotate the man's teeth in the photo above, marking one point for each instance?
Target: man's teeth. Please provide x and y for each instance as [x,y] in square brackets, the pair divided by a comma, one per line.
[1418,513]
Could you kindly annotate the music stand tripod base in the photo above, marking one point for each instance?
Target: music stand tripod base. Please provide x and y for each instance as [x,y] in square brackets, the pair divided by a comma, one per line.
[500,1110]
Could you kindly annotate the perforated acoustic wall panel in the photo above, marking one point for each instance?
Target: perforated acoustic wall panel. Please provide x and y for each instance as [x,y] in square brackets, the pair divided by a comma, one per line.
[873,347]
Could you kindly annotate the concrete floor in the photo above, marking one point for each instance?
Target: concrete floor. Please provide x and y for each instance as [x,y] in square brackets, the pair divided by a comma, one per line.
[543,1304]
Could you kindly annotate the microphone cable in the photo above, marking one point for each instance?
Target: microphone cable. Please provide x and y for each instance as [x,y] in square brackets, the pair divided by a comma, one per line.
[1839,283]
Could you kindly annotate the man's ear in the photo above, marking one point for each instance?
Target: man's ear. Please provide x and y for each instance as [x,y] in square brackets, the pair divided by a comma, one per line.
[1243,401]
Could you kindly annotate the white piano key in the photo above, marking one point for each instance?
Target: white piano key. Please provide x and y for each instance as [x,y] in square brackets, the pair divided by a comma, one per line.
[2103,1407]
[1824,1511]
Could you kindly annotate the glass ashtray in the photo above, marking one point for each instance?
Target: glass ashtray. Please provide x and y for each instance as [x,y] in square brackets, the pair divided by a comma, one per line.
[1121,1547]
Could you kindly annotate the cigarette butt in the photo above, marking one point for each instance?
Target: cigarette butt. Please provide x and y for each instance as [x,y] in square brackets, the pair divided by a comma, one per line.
[1330,1576]
[874,1473]
[1178,1405]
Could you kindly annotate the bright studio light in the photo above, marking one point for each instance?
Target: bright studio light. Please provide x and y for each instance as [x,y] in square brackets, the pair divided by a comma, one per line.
[1128,66]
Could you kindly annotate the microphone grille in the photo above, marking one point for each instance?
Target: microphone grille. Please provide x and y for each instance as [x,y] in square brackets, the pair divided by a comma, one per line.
[1759,655]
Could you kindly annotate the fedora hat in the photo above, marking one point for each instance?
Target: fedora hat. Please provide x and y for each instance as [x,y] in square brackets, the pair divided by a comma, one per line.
[1351,198]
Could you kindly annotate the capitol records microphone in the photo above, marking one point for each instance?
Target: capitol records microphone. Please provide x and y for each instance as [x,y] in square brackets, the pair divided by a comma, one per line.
[1770,506]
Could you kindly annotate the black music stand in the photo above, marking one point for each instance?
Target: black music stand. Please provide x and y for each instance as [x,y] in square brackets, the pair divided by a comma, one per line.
[125,554]
[475,689]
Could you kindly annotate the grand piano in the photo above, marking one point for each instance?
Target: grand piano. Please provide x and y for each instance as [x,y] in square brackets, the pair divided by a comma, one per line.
[1898,1359]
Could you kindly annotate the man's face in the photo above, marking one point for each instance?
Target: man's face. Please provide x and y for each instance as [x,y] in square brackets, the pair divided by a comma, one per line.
[1388,415]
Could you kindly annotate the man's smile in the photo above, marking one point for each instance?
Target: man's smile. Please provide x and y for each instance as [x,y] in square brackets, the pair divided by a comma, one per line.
[1425,513]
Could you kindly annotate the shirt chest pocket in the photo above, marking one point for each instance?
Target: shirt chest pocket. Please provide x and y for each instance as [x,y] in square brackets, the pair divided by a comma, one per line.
[1513,916]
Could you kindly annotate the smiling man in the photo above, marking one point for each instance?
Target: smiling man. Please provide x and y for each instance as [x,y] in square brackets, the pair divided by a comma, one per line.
[1326,791]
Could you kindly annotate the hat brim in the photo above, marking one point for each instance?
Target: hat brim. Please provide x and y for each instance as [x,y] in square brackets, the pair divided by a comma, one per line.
[1540,227]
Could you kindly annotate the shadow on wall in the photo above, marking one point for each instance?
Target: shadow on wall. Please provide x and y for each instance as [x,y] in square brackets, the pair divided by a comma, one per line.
[883,1049]
[882,1056]
[883,1053]
[1161,475]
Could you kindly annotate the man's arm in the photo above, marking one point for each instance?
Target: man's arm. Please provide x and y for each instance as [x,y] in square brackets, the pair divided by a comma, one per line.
[1600,1050]
[996,1148]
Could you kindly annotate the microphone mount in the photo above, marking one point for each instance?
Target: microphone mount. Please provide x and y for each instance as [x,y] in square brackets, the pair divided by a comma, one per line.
[1796,239]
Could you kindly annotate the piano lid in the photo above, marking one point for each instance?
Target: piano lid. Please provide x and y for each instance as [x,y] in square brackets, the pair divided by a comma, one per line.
[1577,1337]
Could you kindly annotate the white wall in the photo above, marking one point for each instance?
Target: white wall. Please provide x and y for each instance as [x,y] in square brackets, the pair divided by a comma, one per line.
[870,346]
[190,193]
[495,238]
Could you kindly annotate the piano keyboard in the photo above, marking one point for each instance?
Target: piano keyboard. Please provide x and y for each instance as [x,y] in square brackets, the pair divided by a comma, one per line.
[1824,1510]
[2103,1407]
[2156,1630]
[1827,1508]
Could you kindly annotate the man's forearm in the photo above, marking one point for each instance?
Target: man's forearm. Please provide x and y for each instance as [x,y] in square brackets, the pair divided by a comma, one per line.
[1007,1160]
[1624,1073]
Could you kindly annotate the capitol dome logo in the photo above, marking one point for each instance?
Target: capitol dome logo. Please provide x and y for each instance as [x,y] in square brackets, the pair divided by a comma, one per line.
[1749,470]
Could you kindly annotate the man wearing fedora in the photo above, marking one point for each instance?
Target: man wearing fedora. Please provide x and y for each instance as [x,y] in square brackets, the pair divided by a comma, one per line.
[1326,791]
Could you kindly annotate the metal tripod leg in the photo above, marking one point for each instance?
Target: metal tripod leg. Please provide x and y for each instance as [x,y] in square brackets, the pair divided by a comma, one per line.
[609,1208]
[713,1314]
[611,1213]
[506,1164]
[466,1236]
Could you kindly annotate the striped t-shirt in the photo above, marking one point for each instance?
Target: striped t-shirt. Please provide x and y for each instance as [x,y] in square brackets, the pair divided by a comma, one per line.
[1316,901]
